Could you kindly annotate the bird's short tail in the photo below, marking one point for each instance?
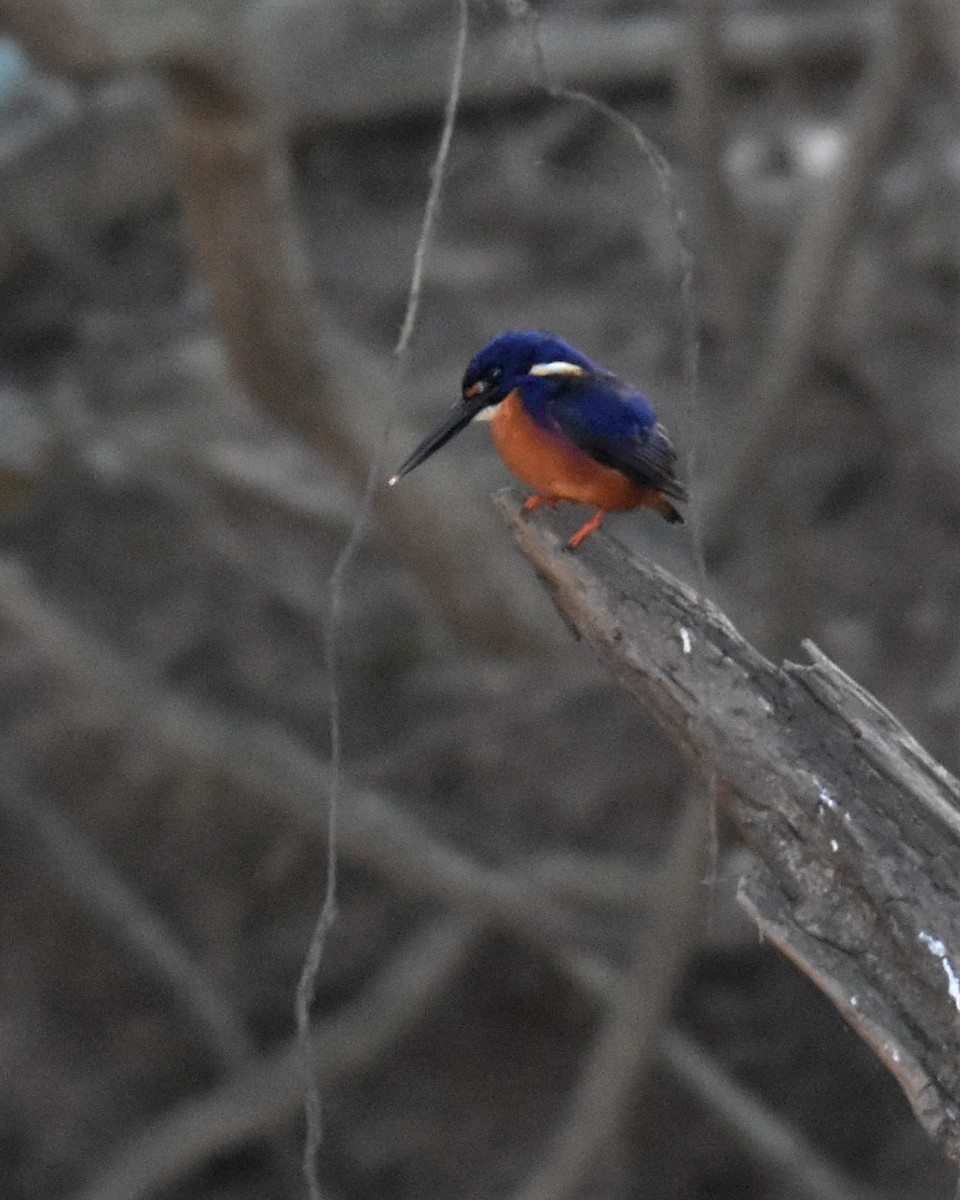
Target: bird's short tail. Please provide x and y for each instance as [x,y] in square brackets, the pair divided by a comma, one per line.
[666,510]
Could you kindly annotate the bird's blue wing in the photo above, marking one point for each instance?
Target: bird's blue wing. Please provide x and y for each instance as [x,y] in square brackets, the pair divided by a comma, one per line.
[615,425]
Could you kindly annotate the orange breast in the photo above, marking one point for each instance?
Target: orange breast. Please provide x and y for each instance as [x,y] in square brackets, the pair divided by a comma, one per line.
[556,468]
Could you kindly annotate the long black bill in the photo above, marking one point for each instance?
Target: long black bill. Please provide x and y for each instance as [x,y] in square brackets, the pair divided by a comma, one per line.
[458,418]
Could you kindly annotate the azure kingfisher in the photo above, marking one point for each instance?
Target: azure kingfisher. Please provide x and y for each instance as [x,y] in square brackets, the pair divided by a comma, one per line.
[564,426]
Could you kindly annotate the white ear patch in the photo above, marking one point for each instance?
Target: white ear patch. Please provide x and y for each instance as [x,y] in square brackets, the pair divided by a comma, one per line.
[556,368]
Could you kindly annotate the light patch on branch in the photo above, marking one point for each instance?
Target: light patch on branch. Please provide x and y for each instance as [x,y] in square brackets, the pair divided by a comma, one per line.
[939,950]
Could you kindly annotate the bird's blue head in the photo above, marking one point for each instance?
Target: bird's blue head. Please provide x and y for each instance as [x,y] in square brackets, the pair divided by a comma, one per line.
[509,360]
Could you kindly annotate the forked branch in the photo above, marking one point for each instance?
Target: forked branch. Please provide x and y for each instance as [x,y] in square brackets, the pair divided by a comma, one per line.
[856,827]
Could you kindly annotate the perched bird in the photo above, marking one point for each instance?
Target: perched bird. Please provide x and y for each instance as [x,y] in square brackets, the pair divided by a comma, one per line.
[568,429]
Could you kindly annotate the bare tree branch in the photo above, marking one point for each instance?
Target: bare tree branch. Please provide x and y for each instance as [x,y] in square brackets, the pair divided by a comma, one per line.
[81,868]
[234,181]
[701,118]
[773,1143]
[637,1007]
[268,1092]
[267,763]
[816,260]
[233,176]
[584,52]
[857,828]
[92,38]
[311,77]
[376,834]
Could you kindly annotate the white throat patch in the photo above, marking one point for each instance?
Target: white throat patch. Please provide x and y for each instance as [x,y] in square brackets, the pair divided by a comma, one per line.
[556,368]
[487,414]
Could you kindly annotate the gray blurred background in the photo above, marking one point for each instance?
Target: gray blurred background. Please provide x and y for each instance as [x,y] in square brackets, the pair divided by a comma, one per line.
[208,216]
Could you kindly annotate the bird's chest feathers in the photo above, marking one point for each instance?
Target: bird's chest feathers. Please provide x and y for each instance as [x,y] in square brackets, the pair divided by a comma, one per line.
[532,452]
[551,463]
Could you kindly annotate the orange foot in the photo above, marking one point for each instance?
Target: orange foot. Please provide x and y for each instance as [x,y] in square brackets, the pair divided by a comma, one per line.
[591,527]
[533,502]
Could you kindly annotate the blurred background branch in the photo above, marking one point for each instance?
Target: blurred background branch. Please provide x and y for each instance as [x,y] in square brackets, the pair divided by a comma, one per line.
[816,260]
[232,174]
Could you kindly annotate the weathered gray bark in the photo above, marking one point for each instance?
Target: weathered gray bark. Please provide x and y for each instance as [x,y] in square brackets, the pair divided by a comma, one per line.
[856,827]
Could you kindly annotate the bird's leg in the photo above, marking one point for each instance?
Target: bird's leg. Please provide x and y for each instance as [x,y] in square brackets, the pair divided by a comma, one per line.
[533,502]
[591,527]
